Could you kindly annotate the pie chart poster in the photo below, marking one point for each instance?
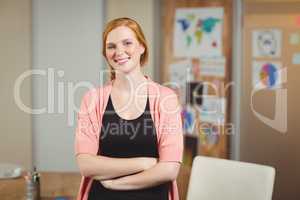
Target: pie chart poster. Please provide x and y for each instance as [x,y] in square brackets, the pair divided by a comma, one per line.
[266,75]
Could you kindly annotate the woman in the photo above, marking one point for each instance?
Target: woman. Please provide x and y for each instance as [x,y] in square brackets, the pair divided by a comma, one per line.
[129,137]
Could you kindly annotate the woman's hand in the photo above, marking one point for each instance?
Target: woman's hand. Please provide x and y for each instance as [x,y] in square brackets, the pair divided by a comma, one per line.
[108,184]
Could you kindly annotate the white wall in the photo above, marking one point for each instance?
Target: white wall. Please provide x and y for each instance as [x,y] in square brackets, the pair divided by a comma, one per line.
[15,58]
[66,37]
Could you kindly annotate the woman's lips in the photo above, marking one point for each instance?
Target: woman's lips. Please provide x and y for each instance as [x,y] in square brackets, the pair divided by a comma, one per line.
[122,61]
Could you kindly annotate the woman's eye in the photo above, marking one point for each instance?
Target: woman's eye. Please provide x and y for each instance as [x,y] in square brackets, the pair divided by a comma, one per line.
[128,43]
[110,47]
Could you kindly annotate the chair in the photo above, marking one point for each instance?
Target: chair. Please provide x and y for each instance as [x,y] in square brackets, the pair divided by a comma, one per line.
[220,179]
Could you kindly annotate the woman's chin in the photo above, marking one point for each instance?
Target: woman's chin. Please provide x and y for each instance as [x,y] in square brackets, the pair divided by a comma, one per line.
[124,71]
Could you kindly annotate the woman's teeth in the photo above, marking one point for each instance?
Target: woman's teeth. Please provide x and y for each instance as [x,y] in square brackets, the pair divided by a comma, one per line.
[122,61]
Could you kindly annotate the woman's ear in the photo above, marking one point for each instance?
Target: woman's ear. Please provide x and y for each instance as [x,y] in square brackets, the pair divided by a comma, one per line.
[142,49]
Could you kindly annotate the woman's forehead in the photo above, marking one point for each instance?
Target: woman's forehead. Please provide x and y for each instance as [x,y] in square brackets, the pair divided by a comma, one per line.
[119,34]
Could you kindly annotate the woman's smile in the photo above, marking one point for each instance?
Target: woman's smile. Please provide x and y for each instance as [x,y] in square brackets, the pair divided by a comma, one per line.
[122,61]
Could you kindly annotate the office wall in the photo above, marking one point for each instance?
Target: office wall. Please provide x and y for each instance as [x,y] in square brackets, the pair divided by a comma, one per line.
[269,143]
[15,58]
[67,51]
[143,11]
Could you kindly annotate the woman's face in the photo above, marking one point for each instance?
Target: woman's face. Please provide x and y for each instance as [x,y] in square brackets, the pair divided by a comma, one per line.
[123,50]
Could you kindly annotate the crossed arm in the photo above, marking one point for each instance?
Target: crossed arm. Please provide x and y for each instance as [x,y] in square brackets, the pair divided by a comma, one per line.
[127,173]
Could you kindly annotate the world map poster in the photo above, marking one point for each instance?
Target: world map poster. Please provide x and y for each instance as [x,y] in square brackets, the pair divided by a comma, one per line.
[198,32]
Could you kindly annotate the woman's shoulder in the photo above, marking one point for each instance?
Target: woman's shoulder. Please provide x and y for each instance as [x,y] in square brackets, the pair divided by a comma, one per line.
[166,96]
[168,99]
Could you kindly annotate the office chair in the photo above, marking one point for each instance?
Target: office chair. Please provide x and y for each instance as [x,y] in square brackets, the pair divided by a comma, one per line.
[220,179]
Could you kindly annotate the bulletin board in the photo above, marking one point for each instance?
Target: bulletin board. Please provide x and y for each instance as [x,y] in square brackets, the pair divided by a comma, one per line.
[270,143]
[200,142]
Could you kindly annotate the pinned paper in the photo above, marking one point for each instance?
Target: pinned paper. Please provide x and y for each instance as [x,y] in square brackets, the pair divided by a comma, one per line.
[180,72]
[296,58]
[266,74]
[266,43]
[209,135]
[198,32]
[294,38]
[212,67]
[189,117]
[213,110]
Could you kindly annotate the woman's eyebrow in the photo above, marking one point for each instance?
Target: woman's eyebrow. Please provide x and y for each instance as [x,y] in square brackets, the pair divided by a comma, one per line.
[127,39]
[110,43]
[124,40]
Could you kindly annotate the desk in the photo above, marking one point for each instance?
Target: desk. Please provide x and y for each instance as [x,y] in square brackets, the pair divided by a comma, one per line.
[53,184]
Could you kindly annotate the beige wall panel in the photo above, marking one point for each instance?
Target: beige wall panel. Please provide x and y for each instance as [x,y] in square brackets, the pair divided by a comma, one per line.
[15,51]
[259,142]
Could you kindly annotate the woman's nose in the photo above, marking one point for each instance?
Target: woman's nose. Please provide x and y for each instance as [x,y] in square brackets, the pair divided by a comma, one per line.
[119,50]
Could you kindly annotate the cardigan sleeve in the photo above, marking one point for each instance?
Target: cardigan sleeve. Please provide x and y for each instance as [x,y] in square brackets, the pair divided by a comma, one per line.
[170,125]
[86,138]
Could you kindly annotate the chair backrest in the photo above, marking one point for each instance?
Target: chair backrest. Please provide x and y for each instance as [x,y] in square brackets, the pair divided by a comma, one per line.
[220,179]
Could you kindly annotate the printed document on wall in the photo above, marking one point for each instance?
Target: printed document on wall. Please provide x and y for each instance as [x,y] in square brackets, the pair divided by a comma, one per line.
[198,32]
[266,43]
[266,74]
[213,67]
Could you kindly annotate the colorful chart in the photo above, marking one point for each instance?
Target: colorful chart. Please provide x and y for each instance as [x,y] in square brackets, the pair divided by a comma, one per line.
[198,32]
[268,75]
[202,26]
[188,119]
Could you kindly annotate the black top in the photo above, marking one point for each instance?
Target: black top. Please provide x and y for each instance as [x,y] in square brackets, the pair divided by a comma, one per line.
[122,138]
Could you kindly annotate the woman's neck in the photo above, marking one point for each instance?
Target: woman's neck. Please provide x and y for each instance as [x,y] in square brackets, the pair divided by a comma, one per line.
[129,82]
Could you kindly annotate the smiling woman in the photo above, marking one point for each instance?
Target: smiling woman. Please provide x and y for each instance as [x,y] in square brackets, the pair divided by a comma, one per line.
[129,138]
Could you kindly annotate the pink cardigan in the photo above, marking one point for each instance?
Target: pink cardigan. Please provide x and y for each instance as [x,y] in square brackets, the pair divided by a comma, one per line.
[164,112]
